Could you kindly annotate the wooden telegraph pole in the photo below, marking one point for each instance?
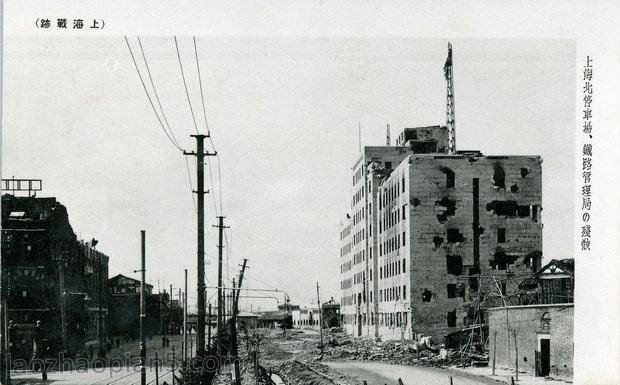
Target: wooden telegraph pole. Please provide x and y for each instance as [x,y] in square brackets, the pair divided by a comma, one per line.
[142,315]
[220,297]
[318,301]
[233,326]
[185,321]
[200,253]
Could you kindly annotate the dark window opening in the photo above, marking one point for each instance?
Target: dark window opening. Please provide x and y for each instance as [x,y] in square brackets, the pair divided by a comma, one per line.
[454,264]
[449,177]
[437,241]
[514,188]
[503,288]
[451,290]
[388,165]
[455,236]
[448,207]
[426,147]
[508,209]
[451,319]
[415,202]
[501,260]
[499,176]
[524,172]
[535,213]
[426,295]
[501,235]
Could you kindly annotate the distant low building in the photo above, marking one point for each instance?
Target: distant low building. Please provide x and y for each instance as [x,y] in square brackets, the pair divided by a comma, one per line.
[331,313]
[163,316]
[557,281]
[275,319]
[247,320]
[306,317]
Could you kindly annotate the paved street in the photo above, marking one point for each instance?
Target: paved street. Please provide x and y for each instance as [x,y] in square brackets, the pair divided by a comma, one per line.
[120,376]
[380,373]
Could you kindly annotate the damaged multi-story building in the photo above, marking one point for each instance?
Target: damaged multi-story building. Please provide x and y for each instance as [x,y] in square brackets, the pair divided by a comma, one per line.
[433,235]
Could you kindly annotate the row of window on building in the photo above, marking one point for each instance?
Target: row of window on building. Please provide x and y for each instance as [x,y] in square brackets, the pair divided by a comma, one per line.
[392,269]
[392,294]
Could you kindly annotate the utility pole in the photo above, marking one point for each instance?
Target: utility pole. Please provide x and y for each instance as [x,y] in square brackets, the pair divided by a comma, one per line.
[170,324]
[233,326]
[185,321]
[318,301]
[200,253]
[209,328]
[142,313]
[99,300]
[220,299]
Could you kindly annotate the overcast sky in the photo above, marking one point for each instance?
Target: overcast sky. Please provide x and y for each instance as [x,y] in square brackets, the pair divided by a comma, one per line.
[283,115]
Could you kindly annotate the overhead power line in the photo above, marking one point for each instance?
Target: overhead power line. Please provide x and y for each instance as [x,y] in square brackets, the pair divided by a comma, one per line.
[204,112]
[176,44]
[149,96]
[163,114]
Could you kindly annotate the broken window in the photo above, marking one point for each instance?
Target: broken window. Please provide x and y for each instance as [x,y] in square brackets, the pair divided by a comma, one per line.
[524,172]
[449,177]
[455,236]
[509,209]
[447,208]
[499,176]
[501,235]
[451,290]
[426,295]
[437,241]
[451,319]
[454,264]
[501,260]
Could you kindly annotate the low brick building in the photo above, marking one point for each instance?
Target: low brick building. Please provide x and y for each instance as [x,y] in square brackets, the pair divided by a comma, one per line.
[544,335]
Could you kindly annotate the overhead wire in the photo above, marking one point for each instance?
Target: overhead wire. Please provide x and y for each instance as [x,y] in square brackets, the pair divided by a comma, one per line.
[176,44]
[148,70]
[149,96]
[204,113]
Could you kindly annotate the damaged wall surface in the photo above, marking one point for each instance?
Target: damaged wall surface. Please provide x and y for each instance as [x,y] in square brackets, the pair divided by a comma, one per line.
[461,238]
[428,235]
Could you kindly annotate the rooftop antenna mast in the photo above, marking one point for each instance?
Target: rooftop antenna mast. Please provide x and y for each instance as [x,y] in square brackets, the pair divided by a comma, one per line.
[359,134]
[447,70]
[388,135]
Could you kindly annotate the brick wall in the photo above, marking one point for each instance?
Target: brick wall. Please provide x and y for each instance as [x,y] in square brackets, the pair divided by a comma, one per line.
[529,324]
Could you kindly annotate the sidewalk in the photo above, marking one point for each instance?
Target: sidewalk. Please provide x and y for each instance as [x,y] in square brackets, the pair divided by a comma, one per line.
[504,375]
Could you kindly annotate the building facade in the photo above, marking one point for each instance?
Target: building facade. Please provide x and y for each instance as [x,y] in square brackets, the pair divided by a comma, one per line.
[50,277]
[544,335]
[433,235]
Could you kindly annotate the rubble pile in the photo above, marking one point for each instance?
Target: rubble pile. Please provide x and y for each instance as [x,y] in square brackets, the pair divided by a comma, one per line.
[312,373]
[341,346]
